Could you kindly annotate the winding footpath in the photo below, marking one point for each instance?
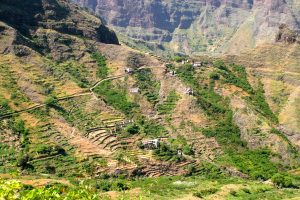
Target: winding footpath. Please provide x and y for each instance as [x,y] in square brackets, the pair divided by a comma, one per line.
[84,93]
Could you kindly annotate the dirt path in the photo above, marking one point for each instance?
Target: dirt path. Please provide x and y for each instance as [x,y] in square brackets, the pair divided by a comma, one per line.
[70,96]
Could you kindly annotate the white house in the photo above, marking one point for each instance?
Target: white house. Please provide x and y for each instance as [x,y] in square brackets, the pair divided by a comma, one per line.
[129,70]
[151,144]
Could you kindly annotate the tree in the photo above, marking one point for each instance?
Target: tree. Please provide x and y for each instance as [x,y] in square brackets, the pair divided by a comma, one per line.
[23,161]
[51,101]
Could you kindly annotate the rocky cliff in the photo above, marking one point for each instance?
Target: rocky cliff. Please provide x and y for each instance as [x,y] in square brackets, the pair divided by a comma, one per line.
[28,18]
[199,25]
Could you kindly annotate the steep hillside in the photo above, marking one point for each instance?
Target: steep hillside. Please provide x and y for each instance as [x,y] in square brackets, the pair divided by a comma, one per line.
[90,119]
[277,66]
[195,27]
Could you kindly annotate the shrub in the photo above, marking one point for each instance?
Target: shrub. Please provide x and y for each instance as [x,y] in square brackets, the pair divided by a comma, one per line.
[167,153]
[43,149]
[256,163]
[50,169]
[258,100]
[4,107]
[214,76]
[169,104]
[121,186]
[150,127]
[187,150]
[102,71]
[104,185]
[51,101]
[23,161]
[178,58]
[115,97]
[220,65]
[210,171]
[148,85]
[19,129]
[205,192]
[282,180]
[132,129]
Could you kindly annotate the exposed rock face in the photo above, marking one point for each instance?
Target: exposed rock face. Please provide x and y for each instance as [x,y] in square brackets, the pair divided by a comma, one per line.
[288,36]
[199,25]
[28,16]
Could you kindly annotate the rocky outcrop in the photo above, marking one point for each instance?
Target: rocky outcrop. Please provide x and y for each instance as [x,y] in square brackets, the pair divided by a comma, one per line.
[199,26]
[61,16]
[287,35]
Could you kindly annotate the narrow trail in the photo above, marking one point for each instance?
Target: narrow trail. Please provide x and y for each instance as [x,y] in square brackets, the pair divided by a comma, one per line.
[84,93]
[7,115]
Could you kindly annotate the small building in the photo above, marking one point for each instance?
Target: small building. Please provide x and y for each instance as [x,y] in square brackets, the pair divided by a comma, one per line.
[129,70]
[197,64]
[179,153]
[134,90]
[185,62]
[189,91]
[172,73]
[151,144]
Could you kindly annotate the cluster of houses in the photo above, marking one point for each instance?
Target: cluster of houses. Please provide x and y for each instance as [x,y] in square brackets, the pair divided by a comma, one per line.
[194,63]
[155,143]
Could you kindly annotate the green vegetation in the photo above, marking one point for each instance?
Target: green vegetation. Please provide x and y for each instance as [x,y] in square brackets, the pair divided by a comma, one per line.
[69,70]
[205,192]
[258,100]
[148,85]
[102,71]
[150,188]
[146,127]
[51,101]
[4,107]
[179,58]
[15,190]
[151,128]
[181,143]
[9,81]
[283,136]
[214,76]
[115,97]
[255,163]
[283,180]
[19,129]
[225,131]
[169,104]
[167,152]
[237,75]
[207,99]
[8,158]
[74,112]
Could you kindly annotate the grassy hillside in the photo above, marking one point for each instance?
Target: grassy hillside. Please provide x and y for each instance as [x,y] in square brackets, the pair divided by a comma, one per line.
[75,124]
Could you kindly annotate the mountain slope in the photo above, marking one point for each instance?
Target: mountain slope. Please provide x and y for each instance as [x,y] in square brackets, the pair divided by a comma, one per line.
[195,27]
[104,117]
